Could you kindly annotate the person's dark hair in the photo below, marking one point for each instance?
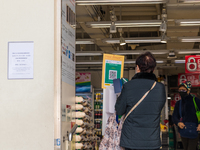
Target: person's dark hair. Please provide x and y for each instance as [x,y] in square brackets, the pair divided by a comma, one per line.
[146,62]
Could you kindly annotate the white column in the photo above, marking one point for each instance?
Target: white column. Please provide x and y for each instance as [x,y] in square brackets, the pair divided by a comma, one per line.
[27,106]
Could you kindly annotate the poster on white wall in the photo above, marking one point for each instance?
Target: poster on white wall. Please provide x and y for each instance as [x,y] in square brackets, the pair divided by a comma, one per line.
[68,41]
[20,60]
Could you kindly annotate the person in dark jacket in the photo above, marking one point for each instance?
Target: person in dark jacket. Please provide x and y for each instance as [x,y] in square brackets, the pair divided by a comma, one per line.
[188,114]
[141,129]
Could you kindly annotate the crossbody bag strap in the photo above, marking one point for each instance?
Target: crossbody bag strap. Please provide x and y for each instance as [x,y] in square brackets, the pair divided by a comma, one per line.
[180,110]
[140,100]
[196,107]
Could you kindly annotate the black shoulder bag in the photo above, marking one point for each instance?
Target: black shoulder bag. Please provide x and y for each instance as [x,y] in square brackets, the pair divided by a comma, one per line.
[190,129]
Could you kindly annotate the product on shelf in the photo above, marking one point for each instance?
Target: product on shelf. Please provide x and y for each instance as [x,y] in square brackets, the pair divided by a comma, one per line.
[83,109]
[85,134]
[80,100]
[80,146]
[80,138]
[82,123]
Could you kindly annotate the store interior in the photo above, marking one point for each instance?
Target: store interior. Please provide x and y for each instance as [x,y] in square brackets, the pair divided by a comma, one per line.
[169,29]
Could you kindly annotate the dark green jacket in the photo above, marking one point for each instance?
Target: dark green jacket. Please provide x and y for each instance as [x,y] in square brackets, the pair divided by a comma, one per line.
[141,130]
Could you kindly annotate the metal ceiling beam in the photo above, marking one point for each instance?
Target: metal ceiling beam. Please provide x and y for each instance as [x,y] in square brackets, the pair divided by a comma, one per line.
[131,23]
[138,52]
[134,9]
[118,2]
[142,13]
[134,40]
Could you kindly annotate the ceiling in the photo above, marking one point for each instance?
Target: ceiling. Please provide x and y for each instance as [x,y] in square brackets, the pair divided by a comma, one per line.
[175,10]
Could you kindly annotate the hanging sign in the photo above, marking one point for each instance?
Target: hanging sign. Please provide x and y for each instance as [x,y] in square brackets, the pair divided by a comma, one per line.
[83,82]
[192,64]
[193,78]
[113,67]
[177,96]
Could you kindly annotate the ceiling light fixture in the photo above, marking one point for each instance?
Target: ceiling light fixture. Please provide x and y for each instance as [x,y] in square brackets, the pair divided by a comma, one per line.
[88,53]
[179,61]
[138,52]
[188,22]
[134,40]
[89,63]
[118,2]
[163,26]
[164,38]
[113,18]
[172,55]
[189,39]
[189,51]
[113,28]
[133,23]
[85,41]
[121,39]
[189,1]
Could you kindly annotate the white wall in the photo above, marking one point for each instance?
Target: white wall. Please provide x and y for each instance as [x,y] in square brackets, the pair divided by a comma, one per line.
[26,106]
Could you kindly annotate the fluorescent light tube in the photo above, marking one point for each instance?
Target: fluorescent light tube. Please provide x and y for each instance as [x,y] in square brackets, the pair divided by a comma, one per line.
[133,23]
[89,63]
[189,1]
[179,61]
[159,61]
[92,53]
[188,22]
[133,61]
[84,41]
[189,39]
[130,62]
[138,52]
[134,40]
[189,52]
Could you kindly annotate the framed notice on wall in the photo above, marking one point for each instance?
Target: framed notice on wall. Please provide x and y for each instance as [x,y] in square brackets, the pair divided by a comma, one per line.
[113,67]
[20,60]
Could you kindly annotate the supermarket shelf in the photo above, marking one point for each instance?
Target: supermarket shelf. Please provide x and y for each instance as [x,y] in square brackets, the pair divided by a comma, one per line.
[97,109]
[80,94]
[98,119]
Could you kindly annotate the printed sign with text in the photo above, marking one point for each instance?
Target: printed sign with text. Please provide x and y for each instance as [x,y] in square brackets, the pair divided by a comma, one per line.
[193,78]
[192,64]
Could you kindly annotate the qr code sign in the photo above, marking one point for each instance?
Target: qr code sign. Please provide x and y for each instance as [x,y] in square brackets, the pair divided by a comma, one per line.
[112,74]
